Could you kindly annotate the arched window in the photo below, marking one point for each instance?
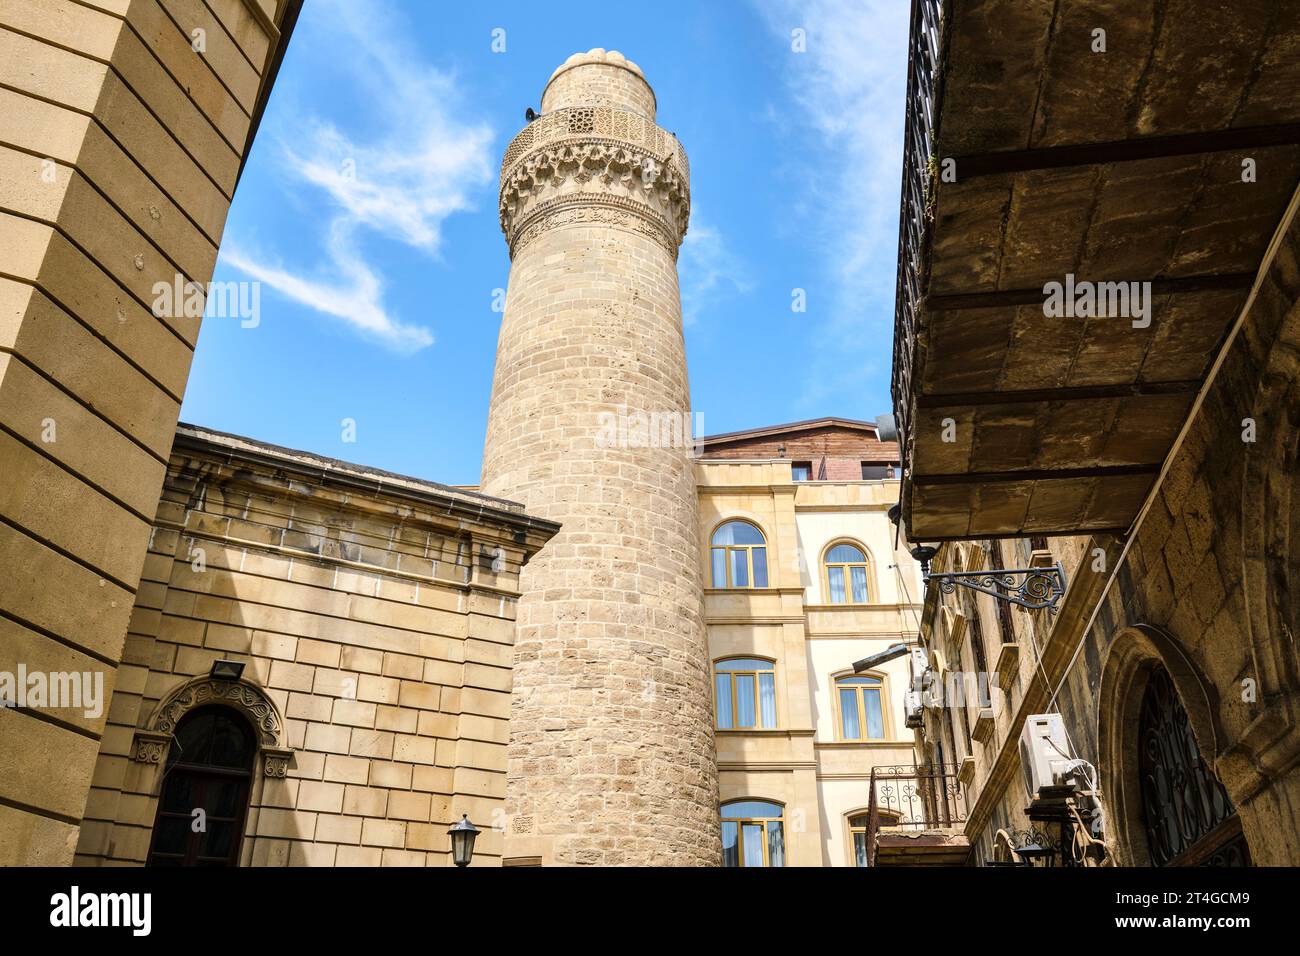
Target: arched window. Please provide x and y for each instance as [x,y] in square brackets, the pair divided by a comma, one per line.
[753,833]
[860,701]
[847,574]
[1189,818]
[739,556]
[858,832]
[746,693]
[209,769]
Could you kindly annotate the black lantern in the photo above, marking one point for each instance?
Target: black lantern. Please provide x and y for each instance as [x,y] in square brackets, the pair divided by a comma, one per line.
[462,840]
[1033,853]
[922,554]
[226,670]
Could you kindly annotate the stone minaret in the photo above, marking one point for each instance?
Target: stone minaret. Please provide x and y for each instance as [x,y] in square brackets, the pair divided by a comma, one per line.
[611,751]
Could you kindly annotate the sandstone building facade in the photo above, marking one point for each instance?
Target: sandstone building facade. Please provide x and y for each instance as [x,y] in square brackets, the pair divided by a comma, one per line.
[803,579]
[373,615]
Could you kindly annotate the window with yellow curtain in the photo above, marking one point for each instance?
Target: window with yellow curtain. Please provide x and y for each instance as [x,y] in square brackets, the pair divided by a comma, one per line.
[846,575]
[861,706]
[753,833]
[746,693]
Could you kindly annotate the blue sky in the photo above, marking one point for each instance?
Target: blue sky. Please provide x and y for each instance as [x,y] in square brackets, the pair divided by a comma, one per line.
[377,287]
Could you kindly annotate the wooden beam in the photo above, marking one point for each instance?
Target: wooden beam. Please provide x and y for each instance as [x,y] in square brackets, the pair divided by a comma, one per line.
[1126,151]
[1057,474]
[997,298]
[1080,393]
[1025,533]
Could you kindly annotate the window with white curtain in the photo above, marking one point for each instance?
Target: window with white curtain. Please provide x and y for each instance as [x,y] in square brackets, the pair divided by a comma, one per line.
[858,831]
[753,833]
[739,556]
[745,688]
[847,575]
[860,701]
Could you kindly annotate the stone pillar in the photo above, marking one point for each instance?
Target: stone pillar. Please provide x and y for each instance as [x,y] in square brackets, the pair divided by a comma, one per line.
[122,130]
[611,757]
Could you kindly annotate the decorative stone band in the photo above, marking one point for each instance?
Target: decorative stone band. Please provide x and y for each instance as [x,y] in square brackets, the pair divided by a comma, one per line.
[584,122]
[619,183]
[153,748]
[596,210]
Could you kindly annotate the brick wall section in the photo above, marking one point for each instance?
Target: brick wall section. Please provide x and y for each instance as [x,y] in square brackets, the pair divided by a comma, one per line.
[119,150]
[611,750]
[370,622]
[802,444]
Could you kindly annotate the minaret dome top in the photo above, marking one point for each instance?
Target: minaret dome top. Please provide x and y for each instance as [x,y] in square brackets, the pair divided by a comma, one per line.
[599,78]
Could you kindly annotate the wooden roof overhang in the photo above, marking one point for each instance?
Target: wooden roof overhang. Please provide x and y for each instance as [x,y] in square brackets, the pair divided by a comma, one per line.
[1123,166]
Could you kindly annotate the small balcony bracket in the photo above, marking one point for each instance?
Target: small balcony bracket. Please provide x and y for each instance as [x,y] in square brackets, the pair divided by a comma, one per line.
[1032,588]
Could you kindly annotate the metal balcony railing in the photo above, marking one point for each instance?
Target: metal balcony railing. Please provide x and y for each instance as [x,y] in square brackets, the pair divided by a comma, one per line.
[913,798]
[920,170]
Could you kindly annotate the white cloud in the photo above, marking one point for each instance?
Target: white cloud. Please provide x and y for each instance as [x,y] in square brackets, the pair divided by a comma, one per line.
[357,301]
[707,269]
[401,183]
[847,94]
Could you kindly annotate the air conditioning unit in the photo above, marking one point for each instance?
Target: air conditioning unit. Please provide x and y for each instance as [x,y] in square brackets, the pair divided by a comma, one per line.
[912,713]
[1044,751]
[932,684]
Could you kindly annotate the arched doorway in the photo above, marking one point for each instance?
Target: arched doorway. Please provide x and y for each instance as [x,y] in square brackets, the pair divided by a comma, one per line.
[1188,816]
[205,790]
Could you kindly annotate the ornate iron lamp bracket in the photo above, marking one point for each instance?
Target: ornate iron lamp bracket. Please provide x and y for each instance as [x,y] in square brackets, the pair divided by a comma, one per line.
[1033,588]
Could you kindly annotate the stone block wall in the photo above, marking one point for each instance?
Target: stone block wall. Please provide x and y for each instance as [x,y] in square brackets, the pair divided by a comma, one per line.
[120,146]
[373,613]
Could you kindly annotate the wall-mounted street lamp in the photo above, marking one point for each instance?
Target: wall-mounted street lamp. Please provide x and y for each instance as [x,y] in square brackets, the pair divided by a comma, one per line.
[463,834]
[1033,587]
[923,554]
[875,660]
[1021,848]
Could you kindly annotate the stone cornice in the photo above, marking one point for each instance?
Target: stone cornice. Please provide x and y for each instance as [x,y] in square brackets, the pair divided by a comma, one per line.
[767,766]
[261,468]
[468,587]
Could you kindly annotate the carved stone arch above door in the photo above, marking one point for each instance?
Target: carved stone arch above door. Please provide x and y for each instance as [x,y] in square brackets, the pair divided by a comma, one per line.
[153,741]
